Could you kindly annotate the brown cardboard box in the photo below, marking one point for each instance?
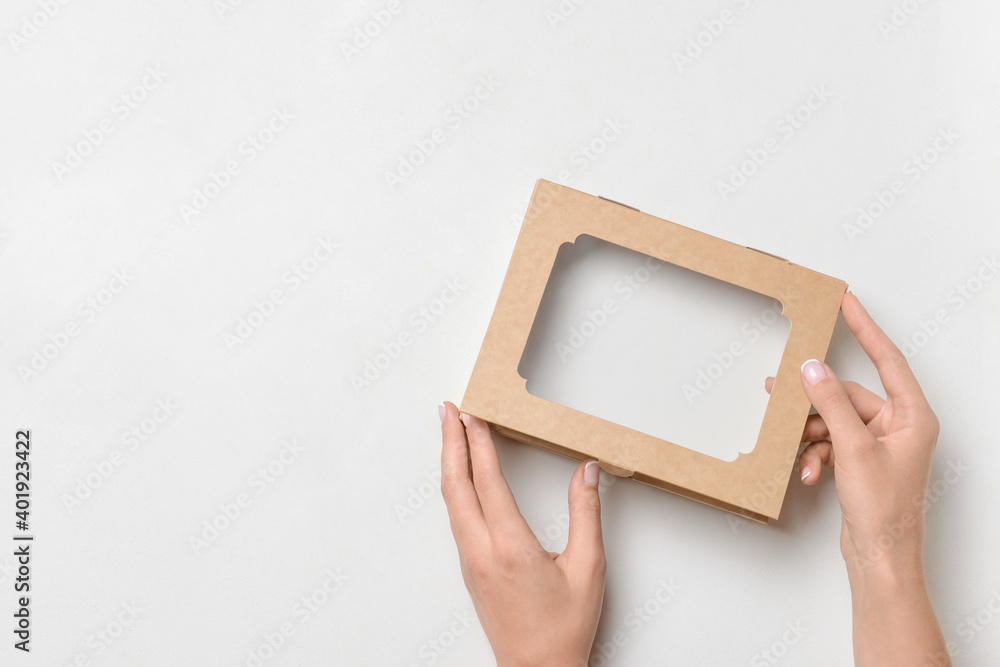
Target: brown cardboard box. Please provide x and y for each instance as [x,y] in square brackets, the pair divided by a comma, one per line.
[754,484]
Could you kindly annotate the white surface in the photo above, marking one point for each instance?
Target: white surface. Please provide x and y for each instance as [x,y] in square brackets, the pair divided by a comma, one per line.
[547,90]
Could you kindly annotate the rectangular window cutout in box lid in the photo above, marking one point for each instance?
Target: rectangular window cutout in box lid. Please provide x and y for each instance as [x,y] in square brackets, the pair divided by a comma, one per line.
[753,485]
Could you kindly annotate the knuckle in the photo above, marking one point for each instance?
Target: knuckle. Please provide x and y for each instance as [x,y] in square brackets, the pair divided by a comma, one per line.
[864,450]
[477,565]
[508,553]
[931,424]
[599,565]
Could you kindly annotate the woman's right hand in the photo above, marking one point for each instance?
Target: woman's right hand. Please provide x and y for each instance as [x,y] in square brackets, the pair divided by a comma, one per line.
[881,452]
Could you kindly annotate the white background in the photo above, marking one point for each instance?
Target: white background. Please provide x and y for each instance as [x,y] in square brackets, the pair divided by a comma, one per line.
[368,453]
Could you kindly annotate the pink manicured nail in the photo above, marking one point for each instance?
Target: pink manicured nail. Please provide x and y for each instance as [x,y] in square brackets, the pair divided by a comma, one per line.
[805,473]
[442,411]
[813,371]
[465,419]
[591,473]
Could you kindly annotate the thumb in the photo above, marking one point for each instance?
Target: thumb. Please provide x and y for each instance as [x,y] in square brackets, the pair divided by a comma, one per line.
[585,546]
[848,432]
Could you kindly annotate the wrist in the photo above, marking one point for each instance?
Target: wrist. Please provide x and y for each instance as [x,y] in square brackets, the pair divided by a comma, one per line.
[893,617]
[888,579]
[884,566]
[548,662]
[556,658]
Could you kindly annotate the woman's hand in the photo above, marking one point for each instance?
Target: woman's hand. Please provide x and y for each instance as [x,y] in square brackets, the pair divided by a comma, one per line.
[881,451]
[537,607]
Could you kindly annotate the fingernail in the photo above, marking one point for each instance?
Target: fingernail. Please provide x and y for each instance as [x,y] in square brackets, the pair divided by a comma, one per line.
[806,471]
[465,419]
[813,371]
[591,473]
[441,411]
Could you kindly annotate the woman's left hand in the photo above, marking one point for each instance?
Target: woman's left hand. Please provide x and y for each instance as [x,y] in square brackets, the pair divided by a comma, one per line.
[537,607]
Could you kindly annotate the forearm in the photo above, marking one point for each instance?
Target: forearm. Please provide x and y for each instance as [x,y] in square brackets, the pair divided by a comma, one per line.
[894,620]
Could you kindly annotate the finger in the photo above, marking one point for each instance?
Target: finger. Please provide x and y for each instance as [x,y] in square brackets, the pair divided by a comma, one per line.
[812,460]
[892,367]
[585,545]
[815,429]
[866,403]
[831,401]
[499,506]
[456,485]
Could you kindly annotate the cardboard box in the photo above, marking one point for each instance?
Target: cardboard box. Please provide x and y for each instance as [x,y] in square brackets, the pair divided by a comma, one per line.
[754,484]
